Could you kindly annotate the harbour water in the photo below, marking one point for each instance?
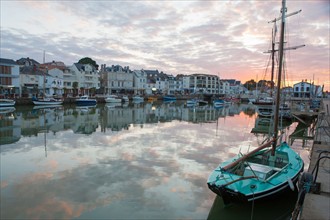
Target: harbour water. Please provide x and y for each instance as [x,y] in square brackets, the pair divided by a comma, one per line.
[141,161]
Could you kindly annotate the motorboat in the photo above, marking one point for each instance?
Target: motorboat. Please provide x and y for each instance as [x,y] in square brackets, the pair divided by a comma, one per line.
[113,99]
[85,100]
[7,102]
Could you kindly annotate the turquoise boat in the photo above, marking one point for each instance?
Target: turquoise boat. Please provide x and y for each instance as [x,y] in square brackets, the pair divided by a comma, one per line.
[259,175]
[268,170]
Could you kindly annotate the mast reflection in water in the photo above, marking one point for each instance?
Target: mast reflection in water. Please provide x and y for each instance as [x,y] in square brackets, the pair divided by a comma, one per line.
[143,161]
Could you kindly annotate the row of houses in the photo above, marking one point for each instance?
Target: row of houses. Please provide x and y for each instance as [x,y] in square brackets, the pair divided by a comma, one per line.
[26,77]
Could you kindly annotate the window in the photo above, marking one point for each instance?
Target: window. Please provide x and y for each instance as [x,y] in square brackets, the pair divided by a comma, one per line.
[5,69]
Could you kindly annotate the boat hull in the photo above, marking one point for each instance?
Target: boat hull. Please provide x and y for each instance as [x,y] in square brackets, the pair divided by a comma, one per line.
[169,98]
[235,187]
[7,103]
[231,196]
[47,102]
[86,102]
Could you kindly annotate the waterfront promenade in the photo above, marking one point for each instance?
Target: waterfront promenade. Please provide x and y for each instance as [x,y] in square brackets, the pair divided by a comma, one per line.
[316,206]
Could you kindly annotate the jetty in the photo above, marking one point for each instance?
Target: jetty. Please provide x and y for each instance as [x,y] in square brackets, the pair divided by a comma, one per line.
[317,202]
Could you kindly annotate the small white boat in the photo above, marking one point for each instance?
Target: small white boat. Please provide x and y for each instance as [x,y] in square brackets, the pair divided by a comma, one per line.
[7,103]
[125,98]
[264,101]
[85,100]
[113,99]
[138,99]
[47,101]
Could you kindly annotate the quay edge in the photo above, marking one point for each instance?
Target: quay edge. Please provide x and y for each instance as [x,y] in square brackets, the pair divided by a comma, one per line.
[316,206]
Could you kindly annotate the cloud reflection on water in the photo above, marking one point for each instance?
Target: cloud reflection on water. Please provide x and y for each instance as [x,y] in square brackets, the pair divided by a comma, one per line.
[153,171]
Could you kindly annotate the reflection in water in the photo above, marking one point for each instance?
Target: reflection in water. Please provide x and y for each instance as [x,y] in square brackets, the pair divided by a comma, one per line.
[120,162]
[277,209]
[86,119]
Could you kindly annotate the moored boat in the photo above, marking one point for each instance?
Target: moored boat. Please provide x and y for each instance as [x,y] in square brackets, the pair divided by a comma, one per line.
[169,98]
[85,100]
[113,99]
[263,101]
[7,102]
[125,99]
[47,101]
[137,98]
[268,170]
[258,175]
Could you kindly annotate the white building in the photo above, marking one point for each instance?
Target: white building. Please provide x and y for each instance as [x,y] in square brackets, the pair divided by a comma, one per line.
[203,83]
[118,79]
[82,77]
[174,84]
[157,81]
[55,77]
[224,87]
[56,82]
[9,78]
[140,83]
[307,90]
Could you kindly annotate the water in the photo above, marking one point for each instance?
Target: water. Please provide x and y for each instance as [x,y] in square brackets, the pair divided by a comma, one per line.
[145,161]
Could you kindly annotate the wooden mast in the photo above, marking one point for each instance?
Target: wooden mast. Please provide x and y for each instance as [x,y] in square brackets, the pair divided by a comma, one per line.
[278,92]
[273,62]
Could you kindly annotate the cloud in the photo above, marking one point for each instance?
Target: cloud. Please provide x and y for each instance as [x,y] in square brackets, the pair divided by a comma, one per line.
[225,37]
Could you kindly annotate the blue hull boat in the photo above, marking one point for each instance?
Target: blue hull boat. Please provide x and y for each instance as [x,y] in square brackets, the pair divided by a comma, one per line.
[169,98]
[85,100]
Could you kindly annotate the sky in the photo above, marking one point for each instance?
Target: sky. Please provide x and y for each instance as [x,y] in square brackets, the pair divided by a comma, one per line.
[224,38]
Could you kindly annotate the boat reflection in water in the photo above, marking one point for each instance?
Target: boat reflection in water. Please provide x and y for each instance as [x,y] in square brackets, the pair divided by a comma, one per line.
[277,209]
[27,121]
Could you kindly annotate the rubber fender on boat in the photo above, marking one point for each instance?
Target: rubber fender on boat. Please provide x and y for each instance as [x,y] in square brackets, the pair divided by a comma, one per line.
[291,184]
[305,183]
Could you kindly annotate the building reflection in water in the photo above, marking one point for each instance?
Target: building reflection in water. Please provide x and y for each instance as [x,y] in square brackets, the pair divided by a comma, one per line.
[29,121]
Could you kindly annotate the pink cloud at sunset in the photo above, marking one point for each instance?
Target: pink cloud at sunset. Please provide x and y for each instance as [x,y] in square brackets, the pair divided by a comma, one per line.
[224,38]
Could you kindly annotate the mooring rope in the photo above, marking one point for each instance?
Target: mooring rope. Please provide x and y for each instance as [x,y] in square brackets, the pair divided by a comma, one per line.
[252,188]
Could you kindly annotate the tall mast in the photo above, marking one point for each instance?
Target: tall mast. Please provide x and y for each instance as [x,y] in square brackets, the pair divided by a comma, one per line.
[277,106]
[273,50]
[273,62]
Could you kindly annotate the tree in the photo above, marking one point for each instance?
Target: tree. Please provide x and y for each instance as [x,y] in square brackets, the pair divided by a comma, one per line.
[250,85]
[88,60]
[75,86]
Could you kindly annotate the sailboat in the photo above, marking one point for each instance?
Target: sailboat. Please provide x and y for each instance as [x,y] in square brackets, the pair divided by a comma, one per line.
[266,171]
[46,101]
